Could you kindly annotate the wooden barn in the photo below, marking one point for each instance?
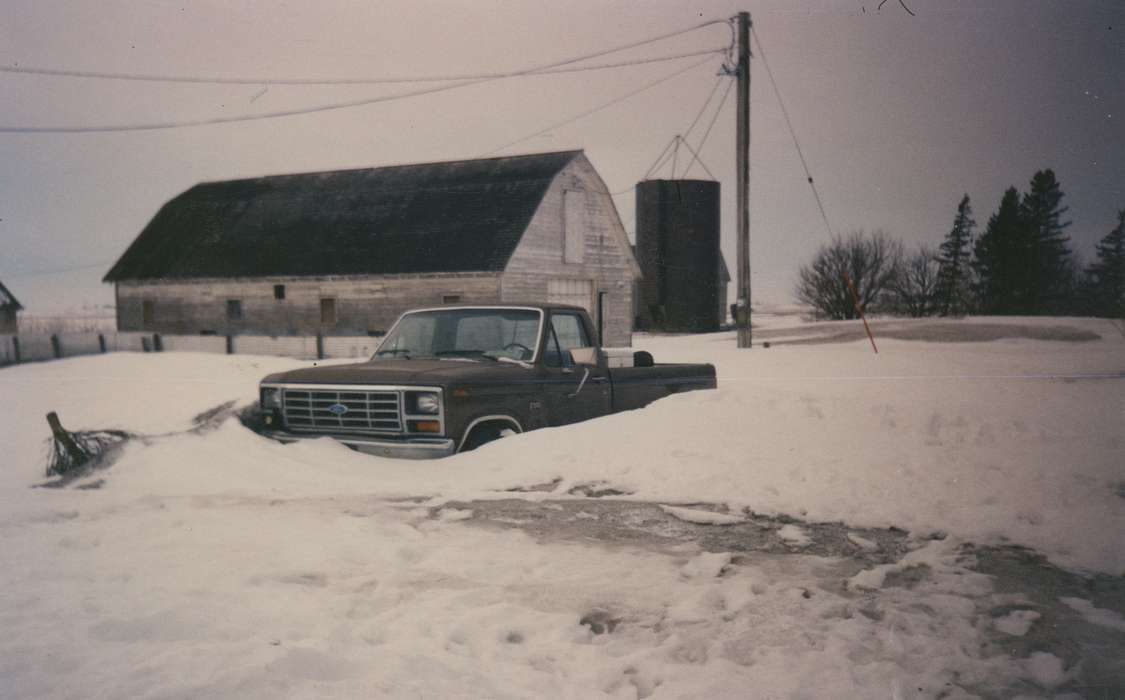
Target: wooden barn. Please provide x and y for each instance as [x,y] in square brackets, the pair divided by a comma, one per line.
[9,311]
[345,252]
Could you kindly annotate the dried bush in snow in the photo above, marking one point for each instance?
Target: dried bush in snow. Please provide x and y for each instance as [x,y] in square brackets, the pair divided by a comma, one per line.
[916,282]
[870,261]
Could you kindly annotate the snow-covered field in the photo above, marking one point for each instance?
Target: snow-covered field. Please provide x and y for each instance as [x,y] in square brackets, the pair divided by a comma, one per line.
[220,564]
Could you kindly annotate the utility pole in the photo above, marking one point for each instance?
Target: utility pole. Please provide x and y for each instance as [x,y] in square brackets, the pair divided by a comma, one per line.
[743,183]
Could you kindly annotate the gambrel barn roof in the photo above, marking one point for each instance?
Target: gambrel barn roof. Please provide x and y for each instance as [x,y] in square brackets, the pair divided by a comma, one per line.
[7,299]
[460,216]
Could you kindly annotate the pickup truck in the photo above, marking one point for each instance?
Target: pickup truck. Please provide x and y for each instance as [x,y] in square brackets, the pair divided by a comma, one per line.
[450,379]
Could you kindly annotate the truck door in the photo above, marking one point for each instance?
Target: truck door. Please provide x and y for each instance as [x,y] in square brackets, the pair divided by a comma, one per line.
[572,392]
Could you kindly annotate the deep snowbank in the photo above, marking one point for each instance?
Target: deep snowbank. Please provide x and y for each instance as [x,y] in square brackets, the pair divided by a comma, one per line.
[224,565]
[1014,440]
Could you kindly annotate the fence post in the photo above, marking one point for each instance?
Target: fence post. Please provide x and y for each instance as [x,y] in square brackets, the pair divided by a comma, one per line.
[319,346]
[101,342]
[230,344]
[16,348]
[157,344]
[56,347]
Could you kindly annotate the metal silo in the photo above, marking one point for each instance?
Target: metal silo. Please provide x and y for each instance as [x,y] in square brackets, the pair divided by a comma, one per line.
[678,251]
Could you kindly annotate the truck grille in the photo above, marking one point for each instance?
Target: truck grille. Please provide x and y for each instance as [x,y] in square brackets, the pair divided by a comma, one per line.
[367,411]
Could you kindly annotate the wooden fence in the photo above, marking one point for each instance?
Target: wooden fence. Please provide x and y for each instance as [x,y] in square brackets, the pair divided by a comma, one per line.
[15,349]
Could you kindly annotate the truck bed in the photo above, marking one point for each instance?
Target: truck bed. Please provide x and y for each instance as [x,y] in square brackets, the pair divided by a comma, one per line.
[635,387]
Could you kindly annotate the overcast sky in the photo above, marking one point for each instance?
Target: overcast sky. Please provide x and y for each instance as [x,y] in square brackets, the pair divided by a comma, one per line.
[898,116]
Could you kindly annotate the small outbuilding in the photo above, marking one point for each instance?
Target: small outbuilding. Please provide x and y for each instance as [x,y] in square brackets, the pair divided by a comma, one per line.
[9,312]
[345,252]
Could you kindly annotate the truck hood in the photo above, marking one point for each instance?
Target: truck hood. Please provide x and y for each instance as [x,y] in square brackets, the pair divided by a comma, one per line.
[407,372]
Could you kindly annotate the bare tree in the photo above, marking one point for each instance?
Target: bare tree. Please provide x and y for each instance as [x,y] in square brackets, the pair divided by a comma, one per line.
[870,262]
[916,284]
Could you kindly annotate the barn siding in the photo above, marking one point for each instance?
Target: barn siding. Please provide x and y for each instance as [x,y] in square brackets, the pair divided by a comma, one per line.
[607,259]
[9,321]
[363,304]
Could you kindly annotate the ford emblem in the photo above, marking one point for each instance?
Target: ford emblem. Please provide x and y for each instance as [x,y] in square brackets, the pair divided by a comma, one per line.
[338,409]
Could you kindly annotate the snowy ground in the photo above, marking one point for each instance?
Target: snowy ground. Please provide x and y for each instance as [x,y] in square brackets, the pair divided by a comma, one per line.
[219,564]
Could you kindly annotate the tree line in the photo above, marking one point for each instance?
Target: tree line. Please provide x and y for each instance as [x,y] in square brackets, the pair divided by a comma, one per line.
[1021,264]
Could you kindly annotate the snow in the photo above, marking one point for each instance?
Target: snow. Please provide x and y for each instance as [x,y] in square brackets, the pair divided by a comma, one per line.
[1046,668]
[707,565]
[793,535]
[933,555]
[863,542]
[220,564]
[702,517]
[1095,615]
[1017,622]
[453,514]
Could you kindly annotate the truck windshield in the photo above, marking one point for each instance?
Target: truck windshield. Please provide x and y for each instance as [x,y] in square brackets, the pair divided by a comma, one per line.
[485,334]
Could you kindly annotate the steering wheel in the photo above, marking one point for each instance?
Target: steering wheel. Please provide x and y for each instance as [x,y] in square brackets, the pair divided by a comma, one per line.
[524,350]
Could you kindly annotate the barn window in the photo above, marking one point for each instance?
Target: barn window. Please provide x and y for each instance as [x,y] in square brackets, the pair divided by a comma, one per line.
[234,309]
[574,226]
[327,312]
[279,291]
[148,312]
[451,298]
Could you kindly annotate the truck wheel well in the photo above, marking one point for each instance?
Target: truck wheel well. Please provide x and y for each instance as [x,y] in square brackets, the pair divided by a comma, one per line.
[486,429]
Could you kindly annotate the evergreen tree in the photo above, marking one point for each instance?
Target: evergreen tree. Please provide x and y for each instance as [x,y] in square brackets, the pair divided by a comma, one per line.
[998,259]
[1107,274]
[953,260]
[1050,273]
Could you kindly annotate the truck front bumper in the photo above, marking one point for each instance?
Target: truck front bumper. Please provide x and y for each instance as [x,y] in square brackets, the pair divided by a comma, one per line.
[407,448]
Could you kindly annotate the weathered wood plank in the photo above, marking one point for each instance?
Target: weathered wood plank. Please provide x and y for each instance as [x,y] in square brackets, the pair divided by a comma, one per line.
[363,304]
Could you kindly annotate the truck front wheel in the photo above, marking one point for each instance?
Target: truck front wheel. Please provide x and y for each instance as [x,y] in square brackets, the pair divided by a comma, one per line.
[485,433]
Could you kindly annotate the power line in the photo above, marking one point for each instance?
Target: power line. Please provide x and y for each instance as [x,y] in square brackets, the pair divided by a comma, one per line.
[698,149]
[648,172]
[142,77]
[663,158]
[792,131]
[58,270]
[600,107]
[714,88]
[696,159]
[812,185]
[226,120]
[674,143]
[677,139]
[350,103]
[659,159]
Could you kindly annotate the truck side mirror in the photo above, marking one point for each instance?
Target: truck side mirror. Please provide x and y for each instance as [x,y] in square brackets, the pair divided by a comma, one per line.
[584,356]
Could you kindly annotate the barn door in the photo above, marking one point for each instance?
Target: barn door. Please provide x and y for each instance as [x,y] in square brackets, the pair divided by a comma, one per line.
[574,292]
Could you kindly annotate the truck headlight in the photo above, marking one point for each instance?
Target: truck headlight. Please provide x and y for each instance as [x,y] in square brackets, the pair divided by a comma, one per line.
[271,398]
[426,402]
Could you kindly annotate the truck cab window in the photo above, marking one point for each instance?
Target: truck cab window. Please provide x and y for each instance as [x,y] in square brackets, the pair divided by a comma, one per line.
[566,333]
